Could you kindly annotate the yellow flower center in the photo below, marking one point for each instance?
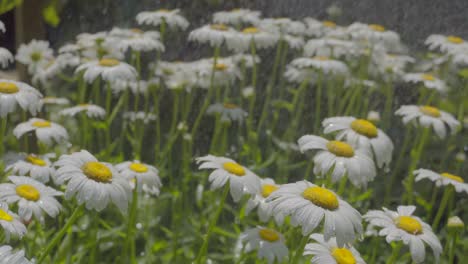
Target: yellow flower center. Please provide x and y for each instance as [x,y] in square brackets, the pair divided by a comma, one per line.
[97,171]
[268,235]
[455,39]
[234,168]
[328,23]
[5,216]
[219,27]
[8,88]
[108,62]
[28,192]
[230,106]
[164,10]
[250,30]
[377,27]
[452,177]
[41,124]
[137,30]
[340,149]
[221,67]
[365,128]
[36,56]
[138,167]
[321,58]
[267,189]
[430,111]
[428,77]
[321,197]
[343,256]
[409,224]
[35,160]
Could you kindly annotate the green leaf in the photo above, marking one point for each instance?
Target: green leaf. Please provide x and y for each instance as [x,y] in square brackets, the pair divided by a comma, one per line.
[50,14]
[7,5]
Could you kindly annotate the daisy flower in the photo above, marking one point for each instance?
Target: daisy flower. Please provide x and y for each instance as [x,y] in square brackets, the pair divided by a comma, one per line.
[33,198]
[136,87]
[325,64]
[454,222]
[108,69]
[229,112]
[428,80]
[5,57]
[387,63]
[294,42]
[264,210]
[315,28]
[7,256]
[35,54]
[91,110]
[427,116]
[375,34]
[213,34]
[373,116]
[102,50]
[11,223]
[88,40]
[13,93]
[135,39]
[46,132]
[309,204]
[269,243]
[445,43]
[147,176]
[237,17]
[283,25]
[329,252]
[145,117]
[241,180]
[403,226]
[245,59]
[38,167]
[225,71]
[55,66]
[361,133]
[55,100]
[340,157]
[330,47]
[241,41]
[172,18]
[442,179]
[93,183]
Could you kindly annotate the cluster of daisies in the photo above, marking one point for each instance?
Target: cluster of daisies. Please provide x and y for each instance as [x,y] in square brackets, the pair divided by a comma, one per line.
[106,93]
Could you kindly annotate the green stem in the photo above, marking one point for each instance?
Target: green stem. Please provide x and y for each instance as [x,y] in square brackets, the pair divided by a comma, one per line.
[415,160]
[254,86]
[206,103]
[318,101]
[56,239]
[175,111]
[3,123]
[93,238]
[395,253]
[130,238]
[388,103]
[442,206]
[266,103]
[300,250]
[204,247]
[396,167]
[452,246]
